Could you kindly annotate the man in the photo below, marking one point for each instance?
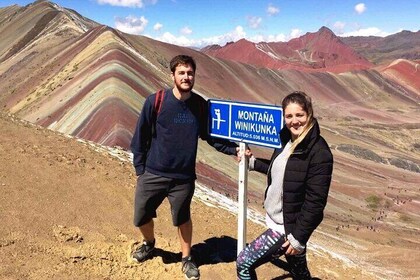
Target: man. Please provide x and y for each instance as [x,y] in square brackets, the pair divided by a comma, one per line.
[164,148]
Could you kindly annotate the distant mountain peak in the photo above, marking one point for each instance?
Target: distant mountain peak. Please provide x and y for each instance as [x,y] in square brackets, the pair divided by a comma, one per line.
[243,41]
[210,47]
[43,2]
[326,33]
[325,29]
[321,50]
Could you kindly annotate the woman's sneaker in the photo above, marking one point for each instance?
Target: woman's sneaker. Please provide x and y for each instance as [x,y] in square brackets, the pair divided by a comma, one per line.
[144,252]
[190,269]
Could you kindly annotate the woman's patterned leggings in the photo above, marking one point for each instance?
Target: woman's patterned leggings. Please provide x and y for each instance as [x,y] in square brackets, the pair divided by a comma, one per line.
[262,250]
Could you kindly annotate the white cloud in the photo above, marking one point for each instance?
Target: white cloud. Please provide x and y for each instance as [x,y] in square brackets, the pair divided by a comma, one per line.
[158,26]
[295,33]
[122,3]
[257,38]
[277,38]
[233,36]
[338,27]
[268,38]
[131,24]
[254,22]
[172,39]
[371,31]
[186,30]
[360,8]
[272,10]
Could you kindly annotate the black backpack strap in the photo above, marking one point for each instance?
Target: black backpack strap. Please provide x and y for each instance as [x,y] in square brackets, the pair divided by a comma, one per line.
[157,106]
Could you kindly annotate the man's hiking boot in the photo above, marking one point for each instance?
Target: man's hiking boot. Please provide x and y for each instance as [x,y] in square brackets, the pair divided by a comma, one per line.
[144,252]
[190,269]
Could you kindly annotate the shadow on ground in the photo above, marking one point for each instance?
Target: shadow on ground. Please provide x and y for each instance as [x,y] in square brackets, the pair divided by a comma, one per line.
[167,257]
[217,250]
[212,251]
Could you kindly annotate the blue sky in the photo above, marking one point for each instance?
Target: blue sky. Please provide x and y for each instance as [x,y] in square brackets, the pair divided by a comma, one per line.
[203,22]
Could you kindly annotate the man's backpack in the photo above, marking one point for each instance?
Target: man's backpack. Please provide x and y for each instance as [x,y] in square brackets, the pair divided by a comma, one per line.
[157,106]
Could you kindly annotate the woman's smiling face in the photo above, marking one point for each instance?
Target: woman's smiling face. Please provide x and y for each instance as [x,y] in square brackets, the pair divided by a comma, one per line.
[295,118]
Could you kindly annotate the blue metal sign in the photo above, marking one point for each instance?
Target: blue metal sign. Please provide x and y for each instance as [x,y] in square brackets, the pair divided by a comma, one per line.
[245,122]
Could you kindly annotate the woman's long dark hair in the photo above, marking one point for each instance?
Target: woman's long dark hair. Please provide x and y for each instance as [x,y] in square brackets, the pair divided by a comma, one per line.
[303,100]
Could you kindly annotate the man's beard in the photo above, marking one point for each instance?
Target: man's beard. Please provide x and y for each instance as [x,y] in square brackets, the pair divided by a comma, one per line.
[183,89]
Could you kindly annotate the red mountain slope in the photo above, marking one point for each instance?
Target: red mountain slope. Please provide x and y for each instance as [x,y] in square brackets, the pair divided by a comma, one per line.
[321,51]
[380,50]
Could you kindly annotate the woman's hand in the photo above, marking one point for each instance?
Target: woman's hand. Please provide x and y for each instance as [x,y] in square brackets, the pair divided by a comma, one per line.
[290,250]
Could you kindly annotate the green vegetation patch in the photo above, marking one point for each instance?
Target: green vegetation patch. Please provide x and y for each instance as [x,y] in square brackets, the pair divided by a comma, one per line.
[373,202]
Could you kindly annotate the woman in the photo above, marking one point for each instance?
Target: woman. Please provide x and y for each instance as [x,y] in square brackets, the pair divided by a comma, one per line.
[298,180]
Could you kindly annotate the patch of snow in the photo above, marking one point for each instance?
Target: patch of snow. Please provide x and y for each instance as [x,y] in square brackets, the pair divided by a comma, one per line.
[73,16]
[269,52]
[52,125]
[215,199]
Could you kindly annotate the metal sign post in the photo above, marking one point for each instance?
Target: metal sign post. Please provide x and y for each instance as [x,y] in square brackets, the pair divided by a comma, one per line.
[242,197]
[245,123]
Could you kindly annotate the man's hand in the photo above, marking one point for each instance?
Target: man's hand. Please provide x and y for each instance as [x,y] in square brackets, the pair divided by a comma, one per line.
[248,153]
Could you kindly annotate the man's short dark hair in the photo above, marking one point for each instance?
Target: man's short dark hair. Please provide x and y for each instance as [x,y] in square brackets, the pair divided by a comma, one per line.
[182,60]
